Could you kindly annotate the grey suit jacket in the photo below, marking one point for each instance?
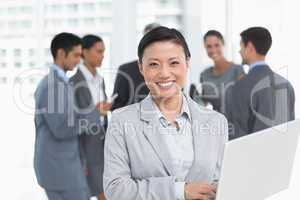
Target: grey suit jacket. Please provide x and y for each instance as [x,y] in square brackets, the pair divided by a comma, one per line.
[56,158]
[138,165]
[92,141]
[260,100]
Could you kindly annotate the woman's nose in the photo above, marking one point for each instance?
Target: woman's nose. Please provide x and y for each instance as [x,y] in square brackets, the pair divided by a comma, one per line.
[165,71]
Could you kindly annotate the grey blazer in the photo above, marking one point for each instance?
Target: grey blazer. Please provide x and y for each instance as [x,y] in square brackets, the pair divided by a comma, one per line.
[92,141]
[56,157]
[138,165]
[260,100]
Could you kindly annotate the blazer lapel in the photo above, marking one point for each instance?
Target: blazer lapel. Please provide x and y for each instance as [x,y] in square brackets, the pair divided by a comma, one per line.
[152,133]
[199,132]
[84,89]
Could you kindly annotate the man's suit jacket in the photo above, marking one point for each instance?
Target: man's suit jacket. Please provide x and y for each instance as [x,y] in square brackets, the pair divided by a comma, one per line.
[92,141]
[129,85]
[138,164]
[56,158]
[260,100]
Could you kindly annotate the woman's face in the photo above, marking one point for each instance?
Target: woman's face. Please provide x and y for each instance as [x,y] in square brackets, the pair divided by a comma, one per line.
[214,47]
[94,56]
[164,67]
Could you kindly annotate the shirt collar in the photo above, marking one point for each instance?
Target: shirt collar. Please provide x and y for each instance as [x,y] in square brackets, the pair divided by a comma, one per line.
[185,111]
[257,63]
[61,73]
[87,74]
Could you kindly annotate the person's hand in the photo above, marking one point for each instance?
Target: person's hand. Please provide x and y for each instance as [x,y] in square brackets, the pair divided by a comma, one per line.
[104,107]
[199,191]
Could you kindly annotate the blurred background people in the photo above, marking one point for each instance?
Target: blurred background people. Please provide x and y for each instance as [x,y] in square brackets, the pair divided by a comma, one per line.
[263,98]
[90,93]
[57,161]
[130,84]
[216,79]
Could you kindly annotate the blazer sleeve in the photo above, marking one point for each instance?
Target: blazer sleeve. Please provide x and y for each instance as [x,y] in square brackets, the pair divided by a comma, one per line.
[117,173]
[121,88]
[60,115]
[223,133]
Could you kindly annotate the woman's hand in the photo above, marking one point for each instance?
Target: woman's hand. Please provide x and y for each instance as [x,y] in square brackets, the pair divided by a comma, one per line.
[199,191]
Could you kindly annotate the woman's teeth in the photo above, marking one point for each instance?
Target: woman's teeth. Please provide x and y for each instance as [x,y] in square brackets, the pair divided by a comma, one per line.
[168,84]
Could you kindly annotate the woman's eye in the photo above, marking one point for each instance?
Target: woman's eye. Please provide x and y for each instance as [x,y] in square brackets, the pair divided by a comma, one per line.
[153,64]
[174,63]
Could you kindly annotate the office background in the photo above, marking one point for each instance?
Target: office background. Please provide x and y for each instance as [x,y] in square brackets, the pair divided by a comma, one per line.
[27,27]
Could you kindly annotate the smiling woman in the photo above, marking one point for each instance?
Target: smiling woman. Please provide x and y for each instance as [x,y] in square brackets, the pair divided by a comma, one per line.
[162,147]
[163,61]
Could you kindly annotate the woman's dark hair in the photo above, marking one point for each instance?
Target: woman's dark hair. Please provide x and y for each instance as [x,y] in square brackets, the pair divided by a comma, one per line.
[260,37]
[89,41]
[214,33]
[161,34]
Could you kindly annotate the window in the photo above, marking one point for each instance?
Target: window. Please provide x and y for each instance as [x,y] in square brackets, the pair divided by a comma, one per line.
[73,22]
[26,9]
[3,52]
[53,8]
[2,11]
[18,65]
[56,8]
[3,80]
[89,7]
[72,7]
[89,21]
[26,24]
[165,12]
[103,6]
[18,80]
[12,10]
[31,52]
[31,64]
[17,52]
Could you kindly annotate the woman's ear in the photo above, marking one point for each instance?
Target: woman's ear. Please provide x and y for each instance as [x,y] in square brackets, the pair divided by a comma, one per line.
[188,62]
[84,52]
[140,67]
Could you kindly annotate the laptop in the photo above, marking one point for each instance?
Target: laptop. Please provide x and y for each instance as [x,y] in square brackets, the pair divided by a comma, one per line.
[259,165]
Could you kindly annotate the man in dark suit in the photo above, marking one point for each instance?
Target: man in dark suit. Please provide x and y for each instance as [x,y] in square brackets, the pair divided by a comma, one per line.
[130,84]
[57,161]
[89,89]
[263,98]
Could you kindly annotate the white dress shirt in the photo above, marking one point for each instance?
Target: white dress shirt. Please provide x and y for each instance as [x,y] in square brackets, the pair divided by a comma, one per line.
[179,142]
[95,84]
